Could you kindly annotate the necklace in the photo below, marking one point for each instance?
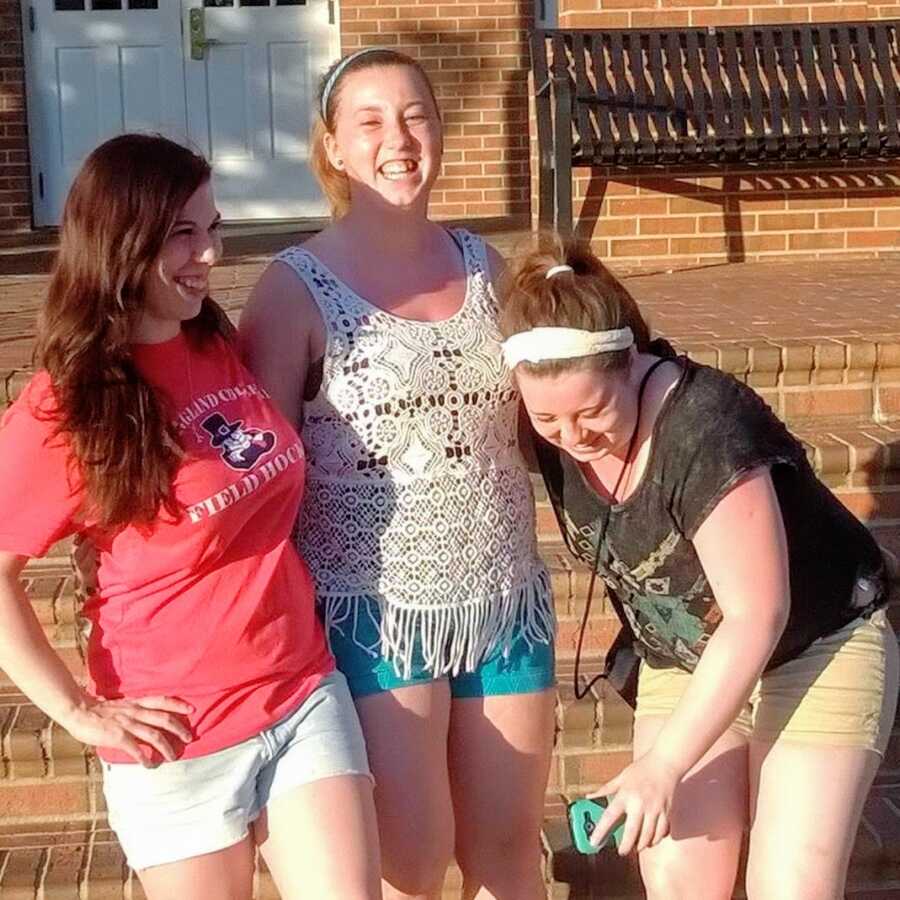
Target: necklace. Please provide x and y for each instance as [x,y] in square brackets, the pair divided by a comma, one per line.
[601,536]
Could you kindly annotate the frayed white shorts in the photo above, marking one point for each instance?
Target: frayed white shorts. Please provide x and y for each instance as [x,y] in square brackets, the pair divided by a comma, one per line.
[190,807]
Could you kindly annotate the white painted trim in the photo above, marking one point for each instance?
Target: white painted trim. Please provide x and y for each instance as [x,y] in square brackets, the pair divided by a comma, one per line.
[32,107]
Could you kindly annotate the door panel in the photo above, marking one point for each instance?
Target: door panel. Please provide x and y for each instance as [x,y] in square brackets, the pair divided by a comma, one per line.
[94,72]
[250,103]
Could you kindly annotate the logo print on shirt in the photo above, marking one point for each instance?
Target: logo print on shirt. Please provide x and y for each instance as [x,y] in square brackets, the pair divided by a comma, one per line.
[241,447]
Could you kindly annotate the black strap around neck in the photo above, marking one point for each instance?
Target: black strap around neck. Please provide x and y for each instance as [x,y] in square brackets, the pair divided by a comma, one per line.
[601,536]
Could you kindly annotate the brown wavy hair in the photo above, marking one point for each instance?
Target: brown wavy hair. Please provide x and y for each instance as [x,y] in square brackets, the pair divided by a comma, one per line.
[334,183]
[118,214]
[589,297]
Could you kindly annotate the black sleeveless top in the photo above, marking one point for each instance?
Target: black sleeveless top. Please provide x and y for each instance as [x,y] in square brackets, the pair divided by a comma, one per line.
[710,432]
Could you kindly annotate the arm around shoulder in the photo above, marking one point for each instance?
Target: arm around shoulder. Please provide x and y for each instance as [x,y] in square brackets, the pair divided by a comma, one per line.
[497,267]
[278,331]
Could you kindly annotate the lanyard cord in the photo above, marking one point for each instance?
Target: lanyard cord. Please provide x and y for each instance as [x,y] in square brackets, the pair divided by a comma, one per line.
[601,535]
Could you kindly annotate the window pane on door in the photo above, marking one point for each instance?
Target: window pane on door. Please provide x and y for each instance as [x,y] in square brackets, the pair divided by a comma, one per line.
[254,2]
[106,4]
[143,4]
[290,2]
[211,3]
[68,5]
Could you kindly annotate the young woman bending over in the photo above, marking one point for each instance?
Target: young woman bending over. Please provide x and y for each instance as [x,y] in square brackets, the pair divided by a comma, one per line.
[769,682]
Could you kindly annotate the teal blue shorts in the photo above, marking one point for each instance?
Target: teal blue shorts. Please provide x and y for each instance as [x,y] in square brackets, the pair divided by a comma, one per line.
[527,668]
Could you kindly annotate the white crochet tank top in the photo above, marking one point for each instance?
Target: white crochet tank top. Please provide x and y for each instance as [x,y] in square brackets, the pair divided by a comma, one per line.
[417,496]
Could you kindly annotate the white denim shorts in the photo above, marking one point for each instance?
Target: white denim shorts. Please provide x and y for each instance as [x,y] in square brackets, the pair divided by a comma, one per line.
[190,807]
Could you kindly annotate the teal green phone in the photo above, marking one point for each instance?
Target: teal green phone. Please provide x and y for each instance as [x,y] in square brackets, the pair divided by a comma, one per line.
[583,818]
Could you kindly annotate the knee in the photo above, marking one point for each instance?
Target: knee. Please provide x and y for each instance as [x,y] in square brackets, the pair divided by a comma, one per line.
[417,869]
[503,854]
[817,878]
[668,874]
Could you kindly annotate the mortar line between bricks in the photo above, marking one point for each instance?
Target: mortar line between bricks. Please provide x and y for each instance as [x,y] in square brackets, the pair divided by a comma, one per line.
[5,741]
[41,873]
[84,873]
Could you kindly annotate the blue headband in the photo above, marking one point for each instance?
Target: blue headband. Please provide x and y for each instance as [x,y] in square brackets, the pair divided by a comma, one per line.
[338,71]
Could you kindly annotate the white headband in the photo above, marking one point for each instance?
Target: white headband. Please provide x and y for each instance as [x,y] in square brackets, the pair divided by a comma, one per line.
[338,71]
[541,344]
[555,270]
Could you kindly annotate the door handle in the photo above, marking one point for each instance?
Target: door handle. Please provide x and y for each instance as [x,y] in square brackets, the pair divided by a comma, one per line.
[199,40]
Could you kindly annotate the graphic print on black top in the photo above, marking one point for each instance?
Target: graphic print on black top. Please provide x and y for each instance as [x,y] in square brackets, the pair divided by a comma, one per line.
[668,623]
[241,447]
[711,432]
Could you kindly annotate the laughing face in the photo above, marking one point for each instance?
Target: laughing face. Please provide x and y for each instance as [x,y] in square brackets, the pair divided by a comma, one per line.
[587,413]
[179,279]
[387,136]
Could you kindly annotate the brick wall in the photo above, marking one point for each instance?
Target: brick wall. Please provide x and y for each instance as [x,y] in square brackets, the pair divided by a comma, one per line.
[15,179]
[477,56]
[678,219]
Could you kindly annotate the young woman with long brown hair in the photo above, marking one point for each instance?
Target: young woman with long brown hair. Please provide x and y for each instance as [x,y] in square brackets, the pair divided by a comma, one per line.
[379,338]
[213,701]
[768,686]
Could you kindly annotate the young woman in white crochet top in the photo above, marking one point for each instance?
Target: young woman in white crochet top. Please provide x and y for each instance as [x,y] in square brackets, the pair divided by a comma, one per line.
[379,338]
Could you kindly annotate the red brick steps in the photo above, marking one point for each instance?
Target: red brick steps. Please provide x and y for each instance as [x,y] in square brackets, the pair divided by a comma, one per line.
[830,368]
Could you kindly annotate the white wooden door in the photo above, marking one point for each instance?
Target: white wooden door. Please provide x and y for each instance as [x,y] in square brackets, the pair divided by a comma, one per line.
[250,99]
[96,68]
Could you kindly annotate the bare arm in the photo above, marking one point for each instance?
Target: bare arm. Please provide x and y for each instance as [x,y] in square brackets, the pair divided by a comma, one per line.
[743,550]
[280,335]
[28,659]
[497,271]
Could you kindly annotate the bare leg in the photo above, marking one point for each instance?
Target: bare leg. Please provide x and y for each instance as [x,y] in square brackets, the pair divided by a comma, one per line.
[406,737]
[320,840]
[500,749]
[224,875]
[699,858]
[808,801]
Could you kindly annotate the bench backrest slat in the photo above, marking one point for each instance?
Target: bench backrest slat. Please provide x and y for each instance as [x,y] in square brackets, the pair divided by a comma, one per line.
[662,98]
[889,86]
[624,97]
[814,145]
[736,126]
[582,110]
[697,97]
[794,137]
[848,81]
[605,93]
[750,66]
[710,57]
[642,108]
[834,96]
[873,102]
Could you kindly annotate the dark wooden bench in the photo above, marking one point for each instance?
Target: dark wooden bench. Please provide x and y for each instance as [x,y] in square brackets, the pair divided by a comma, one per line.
[758,95]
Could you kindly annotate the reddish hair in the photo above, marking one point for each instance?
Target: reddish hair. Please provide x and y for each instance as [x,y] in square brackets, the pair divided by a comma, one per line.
[589,297]
[334,183]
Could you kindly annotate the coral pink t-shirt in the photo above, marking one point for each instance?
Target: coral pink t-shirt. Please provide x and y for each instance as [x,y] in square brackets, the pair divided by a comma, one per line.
[215,608]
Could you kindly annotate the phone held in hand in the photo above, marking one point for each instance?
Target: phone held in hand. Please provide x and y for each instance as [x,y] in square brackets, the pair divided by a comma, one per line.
[583,818]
